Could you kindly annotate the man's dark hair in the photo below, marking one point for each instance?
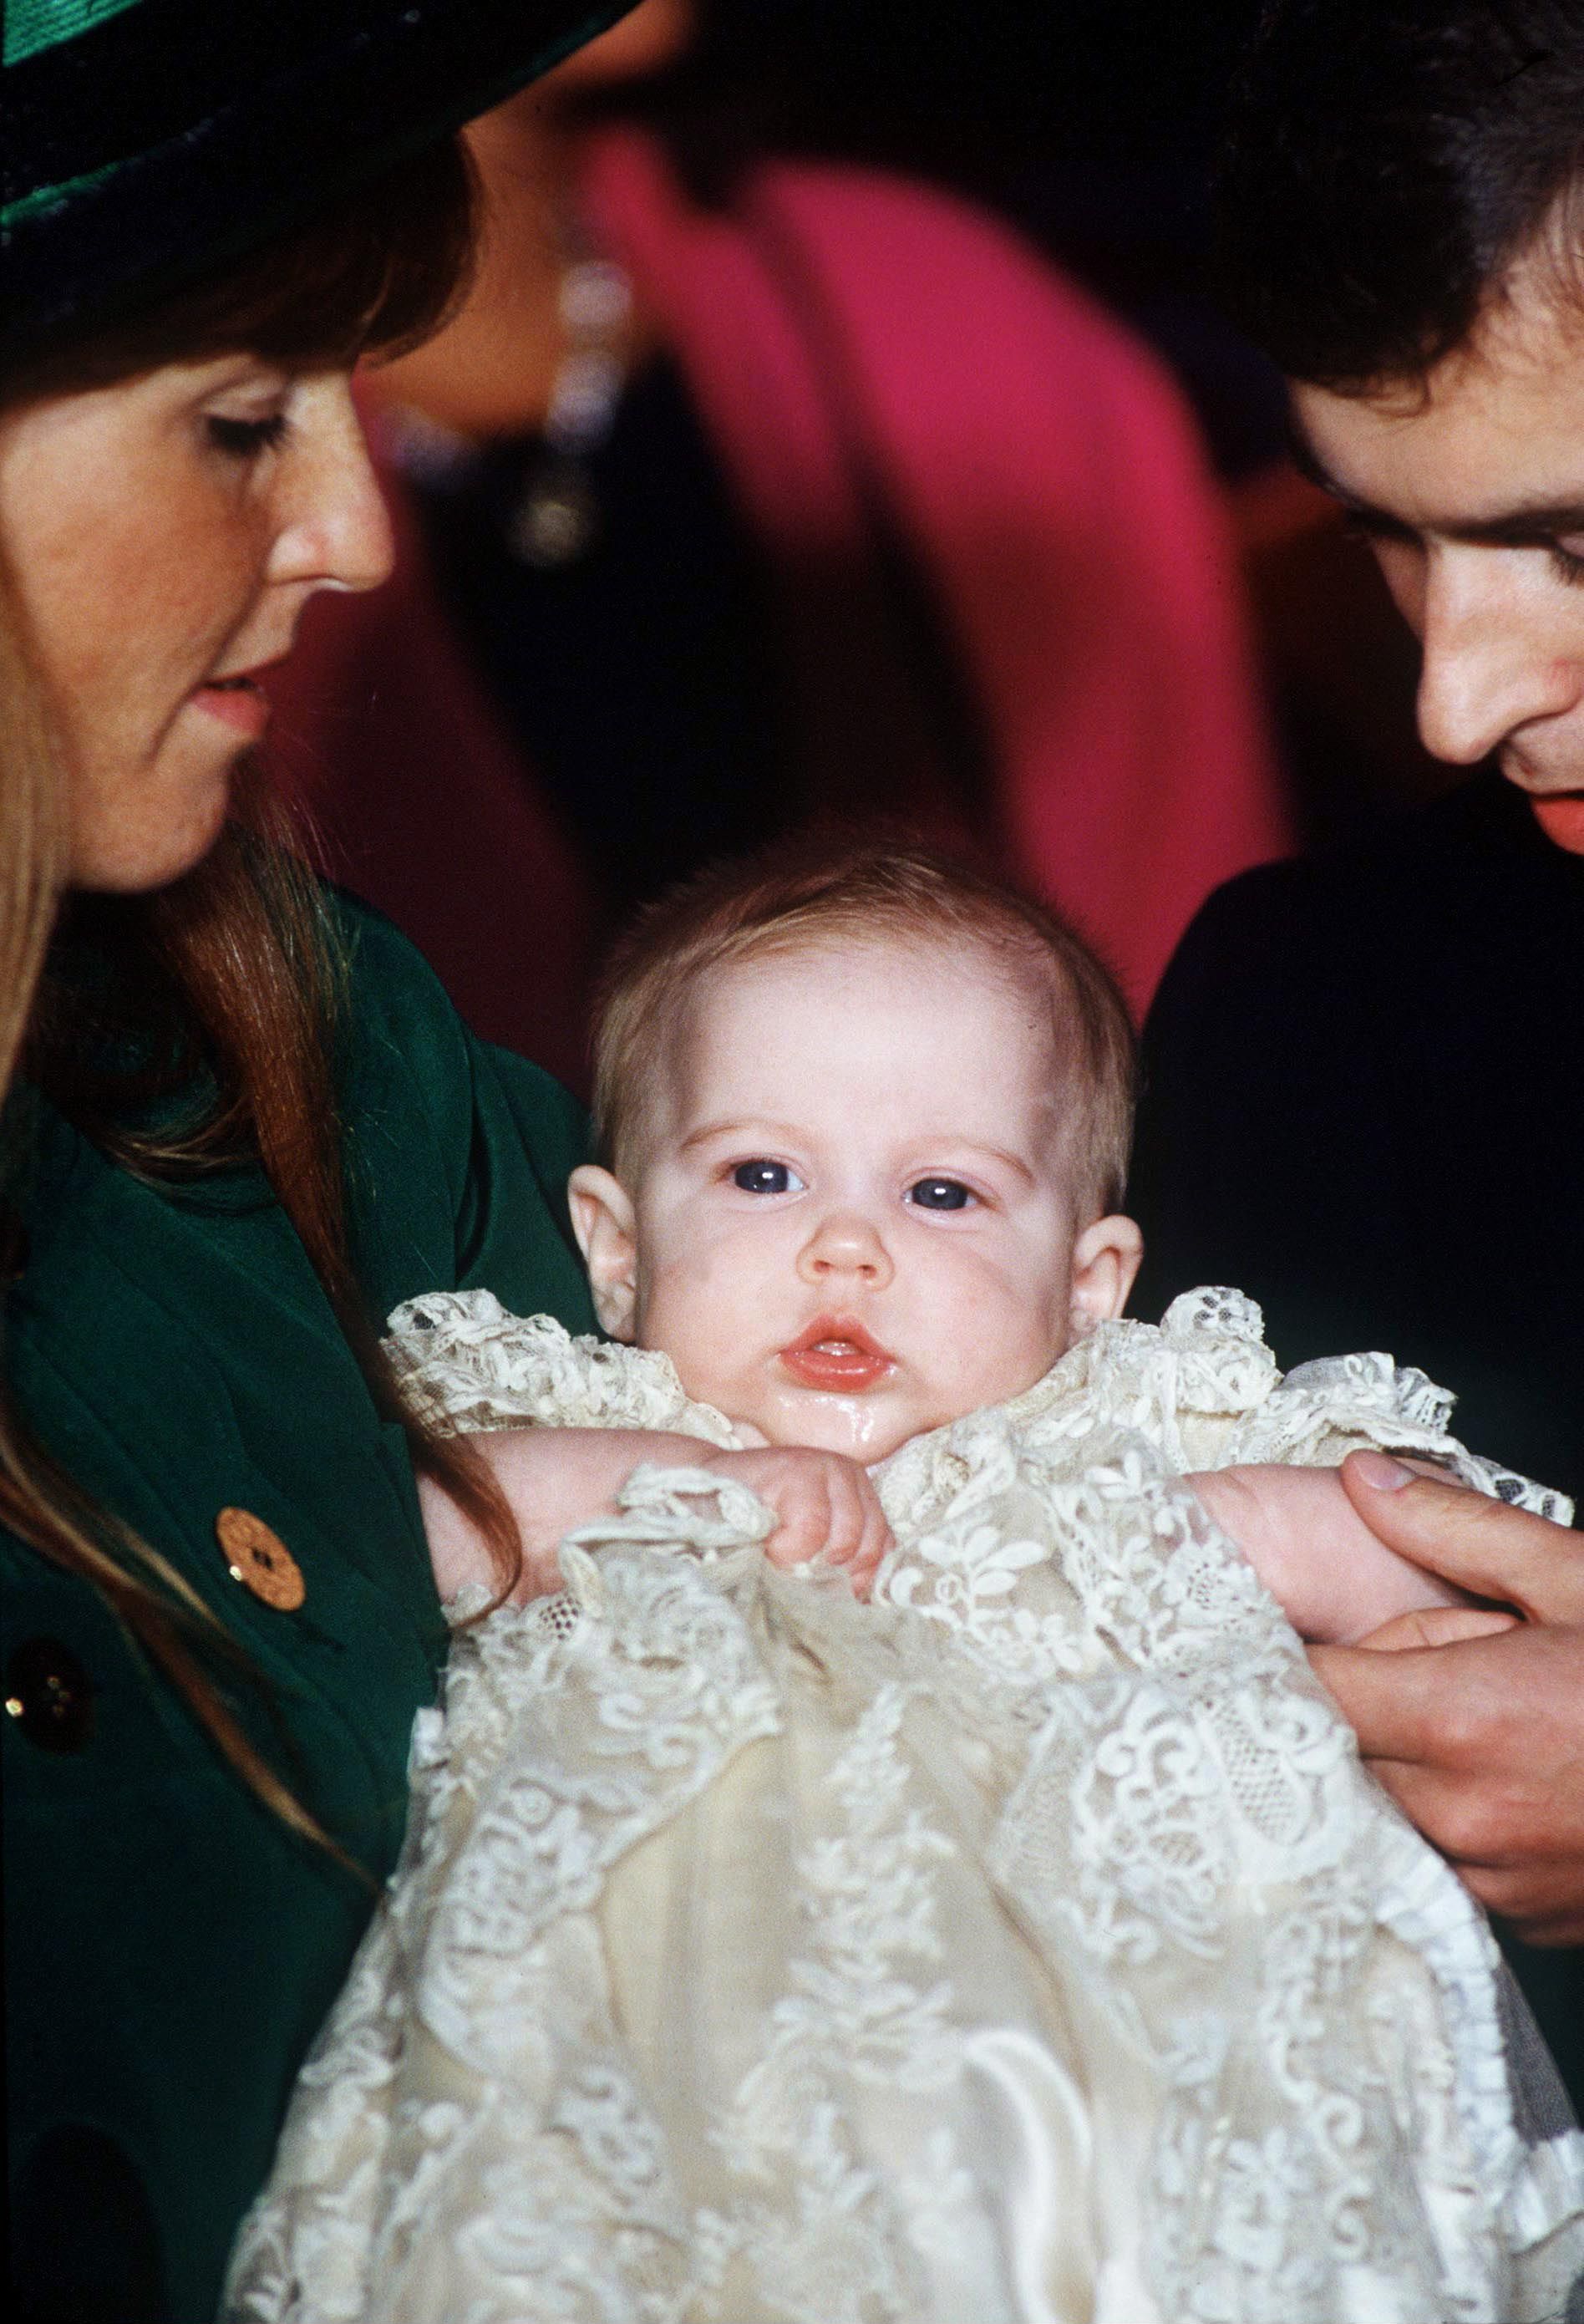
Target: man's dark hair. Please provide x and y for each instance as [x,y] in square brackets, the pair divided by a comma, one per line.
[1388,161]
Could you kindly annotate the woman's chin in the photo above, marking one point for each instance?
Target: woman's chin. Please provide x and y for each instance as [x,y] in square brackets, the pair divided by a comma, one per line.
[133,854]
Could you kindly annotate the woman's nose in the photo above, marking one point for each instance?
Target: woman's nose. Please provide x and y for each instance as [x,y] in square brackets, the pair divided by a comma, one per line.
[846,1246]
[1497,656]
[335,531]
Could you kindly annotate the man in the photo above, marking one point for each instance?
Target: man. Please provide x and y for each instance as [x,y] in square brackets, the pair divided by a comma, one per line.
[1365,1076]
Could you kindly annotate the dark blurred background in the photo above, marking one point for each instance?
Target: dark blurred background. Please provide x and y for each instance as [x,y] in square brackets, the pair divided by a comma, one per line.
[859,522]
[1092,126]
[1092,123]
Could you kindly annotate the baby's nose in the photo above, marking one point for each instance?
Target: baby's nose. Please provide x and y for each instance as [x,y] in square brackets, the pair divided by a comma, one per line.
[846,1243]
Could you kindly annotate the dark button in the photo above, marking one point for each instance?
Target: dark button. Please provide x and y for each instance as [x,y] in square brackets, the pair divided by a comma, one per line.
[50,1695]
[260,1560]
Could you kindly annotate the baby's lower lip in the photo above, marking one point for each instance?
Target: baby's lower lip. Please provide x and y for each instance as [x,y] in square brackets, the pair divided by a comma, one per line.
[838,1365]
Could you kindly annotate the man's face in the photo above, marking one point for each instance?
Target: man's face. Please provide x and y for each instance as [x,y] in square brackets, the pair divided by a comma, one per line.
[1471,490]
[855,1219]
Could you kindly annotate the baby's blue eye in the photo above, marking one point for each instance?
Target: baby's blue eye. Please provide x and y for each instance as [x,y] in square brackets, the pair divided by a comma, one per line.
[766,1178]
[939,1194]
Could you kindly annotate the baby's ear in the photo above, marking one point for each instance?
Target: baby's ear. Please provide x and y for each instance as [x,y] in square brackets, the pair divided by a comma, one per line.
[1106,1257]
[606,1229]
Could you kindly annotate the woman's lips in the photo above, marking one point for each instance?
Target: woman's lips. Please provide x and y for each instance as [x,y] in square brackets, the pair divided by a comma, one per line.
[838,1355]
[238,702]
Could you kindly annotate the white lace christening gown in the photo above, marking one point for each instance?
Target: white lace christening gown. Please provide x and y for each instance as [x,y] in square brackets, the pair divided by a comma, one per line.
[1027,1947]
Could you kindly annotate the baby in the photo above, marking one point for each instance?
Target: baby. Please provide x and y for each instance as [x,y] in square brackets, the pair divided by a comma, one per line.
[1025,1943]
[867,1120]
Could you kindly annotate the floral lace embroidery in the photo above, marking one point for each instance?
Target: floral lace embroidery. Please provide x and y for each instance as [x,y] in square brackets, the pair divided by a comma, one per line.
[753,1954]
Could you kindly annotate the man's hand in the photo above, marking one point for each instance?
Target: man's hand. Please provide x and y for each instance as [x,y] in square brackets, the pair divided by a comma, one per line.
[1479,1736]
[827,1507]
[1337,1582]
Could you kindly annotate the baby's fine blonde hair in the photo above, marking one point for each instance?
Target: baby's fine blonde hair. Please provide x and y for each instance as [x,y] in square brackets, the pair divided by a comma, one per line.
[819,891]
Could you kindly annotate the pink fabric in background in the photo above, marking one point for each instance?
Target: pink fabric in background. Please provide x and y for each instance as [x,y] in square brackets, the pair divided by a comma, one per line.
[1049,476]
[1049,482]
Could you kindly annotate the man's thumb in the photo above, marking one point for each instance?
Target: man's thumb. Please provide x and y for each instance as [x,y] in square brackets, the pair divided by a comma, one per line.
[1486,1546]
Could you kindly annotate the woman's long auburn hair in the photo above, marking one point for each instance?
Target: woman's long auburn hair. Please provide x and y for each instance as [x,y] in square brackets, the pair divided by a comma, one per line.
[232,973]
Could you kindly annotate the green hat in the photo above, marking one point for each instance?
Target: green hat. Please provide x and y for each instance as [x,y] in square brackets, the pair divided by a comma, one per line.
[143,140]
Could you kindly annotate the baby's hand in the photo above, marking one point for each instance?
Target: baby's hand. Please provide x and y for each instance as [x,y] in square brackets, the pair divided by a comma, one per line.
[1335,1581]
[555,1478]
[826,1507]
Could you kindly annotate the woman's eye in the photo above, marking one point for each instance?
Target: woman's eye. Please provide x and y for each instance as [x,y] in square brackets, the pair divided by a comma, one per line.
[243,440]
[940,1194]
[766,1178]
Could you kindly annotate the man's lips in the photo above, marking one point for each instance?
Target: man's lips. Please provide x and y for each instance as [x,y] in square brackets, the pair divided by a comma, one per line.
[837,1354]
[1560,816]
[1557,808]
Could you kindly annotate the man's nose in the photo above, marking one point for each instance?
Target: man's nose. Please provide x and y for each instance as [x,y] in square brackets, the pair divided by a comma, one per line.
[1493,660]
[846,1246]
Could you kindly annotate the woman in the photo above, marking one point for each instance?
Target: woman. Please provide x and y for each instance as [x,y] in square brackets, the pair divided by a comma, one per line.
[241,1118]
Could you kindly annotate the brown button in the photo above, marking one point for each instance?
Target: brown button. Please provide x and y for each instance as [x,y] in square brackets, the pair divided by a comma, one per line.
[50,1695]
[260,1560]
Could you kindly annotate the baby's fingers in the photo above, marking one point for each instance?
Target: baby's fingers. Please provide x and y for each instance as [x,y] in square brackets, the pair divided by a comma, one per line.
[825,1508]
[876,1543]
[801,1498]
[873,1548]
[860,1536]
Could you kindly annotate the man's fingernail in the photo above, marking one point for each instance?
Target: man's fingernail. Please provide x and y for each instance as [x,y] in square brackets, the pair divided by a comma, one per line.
[1380,1470]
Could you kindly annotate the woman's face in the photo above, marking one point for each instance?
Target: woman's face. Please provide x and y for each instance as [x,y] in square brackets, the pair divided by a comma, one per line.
[165,534]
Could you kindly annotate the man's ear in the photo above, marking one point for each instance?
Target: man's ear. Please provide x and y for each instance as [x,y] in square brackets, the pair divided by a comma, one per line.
[606,1229]
[1106,1257]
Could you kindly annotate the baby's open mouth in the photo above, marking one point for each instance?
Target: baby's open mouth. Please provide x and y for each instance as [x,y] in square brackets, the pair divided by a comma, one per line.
[837,1354]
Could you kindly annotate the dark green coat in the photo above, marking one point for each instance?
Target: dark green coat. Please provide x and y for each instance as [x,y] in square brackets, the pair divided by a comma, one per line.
[170,1947]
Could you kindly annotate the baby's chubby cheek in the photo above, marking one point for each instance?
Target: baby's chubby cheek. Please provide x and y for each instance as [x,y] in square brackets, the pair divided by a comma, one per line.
[700,1313]
[1005,1336]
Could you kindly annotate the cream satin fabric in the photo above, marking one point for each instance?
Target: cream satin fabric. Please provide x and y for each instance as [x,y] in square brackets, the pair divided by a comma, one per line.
[1026,1947]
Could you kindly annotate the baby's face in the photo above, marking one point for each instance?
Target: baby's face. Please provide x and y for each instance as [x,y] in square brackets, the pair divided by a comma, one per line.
[854,1222]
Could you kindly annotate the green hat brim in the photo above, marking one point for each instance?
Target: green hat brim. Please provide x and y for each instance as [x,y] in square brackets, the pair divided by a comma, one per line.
[166,136]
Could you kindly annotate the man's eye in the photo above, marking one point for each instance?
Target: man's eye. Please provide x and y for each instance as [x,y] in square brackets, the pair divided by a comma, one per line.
[767,1178]
[940,1194]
